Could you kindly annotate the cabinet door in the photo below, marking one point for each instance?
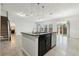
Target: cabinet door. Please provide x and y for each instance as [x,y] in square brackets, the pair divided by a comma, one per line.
[48,41]
[53,39]
[42,45]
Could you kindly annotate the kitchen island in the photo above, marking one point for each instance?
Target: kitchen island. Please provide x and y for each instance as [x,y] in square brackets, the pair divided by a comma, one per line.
[37,44]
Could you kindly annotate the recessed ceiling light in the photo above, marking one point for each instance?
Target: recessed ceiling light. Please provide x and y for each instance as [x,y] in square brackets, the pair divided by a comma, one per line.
[42,6]
[50,13]
[21,14]
[38,3]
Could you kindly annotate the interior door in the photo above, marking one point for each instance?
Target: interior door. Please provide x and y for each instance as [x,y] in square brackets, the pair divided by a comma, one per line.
[48,41]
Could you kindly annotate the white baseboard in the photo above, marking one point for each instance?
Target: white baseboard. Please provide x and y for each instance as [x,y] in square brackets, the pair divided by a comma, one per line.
[74,37]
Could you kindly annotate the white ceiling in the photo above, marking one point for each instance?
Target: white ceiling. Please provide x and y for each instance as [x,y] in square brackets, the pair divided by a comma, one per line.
[33,9]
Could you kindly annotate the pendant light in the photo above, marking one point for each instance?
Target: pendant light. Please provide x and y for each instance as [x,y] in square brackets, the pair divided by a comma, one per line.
[38,5]
[31,10]
[43,10]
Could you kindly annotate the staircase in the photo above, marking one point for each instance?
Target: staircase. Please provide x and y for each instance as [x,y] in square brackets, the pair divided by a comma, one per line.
[4,28]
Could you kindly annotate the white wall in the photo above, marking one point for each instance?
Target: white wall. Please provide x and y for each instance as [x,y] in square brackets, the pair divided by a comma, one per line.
[74,26]
[23,24]
[3,13]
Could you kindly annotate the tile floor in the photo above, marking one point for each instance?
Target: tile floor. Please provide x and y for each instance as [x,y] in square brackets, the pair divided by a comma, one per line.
[64,47]
[10,48]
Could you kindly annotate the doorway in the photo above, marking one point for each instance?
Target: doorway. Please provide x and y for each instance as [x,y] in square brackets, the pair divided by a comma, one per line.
[63,28]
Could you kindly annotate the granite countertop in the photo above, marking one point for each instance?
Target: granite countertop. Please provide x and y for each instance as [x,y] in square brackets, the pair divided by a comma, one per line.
[34,34]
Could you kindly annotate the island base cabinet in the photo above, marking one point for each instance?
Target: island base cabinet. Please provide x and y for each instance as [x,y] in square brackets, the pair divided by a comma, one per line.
[36,45]
[44,44]
[30,45]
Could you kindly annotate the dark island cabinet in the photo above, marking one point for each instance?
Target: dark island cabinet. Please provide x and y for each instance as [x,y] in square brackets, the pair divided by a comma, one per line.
[44,43]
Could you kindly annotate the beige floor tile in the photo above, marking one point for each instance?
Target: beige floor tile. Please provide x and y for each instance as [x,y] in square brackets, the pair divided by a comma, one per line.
[64,47]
